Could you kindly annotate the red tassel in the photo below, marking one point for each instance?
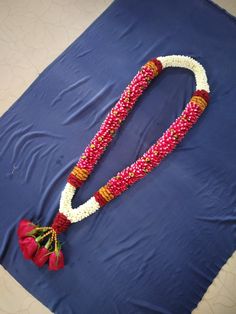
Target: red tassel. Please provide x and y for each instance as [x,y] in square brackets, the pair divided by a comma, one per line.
[56,260]
[25,227]
[28,247]
[41,256]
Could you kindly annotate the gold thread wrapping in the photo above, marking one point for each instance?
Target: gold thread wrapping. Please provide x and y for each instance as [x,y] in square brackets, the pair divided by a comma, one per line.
[152,66]
[199,101]
[80,173]
[106,194]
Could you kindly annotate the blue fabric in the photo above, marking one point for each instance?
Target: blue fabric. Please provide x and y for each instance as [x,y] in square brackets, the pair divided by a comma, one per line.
[156,248]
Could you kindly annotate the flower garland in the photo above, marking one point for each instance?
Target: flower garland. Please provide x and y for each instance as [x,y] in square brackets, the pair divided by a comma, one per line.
[41,244]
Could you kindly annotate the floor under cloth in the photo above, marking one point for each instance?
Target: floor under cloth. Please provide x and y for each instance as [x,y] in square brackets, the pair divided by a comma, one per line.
[172,232]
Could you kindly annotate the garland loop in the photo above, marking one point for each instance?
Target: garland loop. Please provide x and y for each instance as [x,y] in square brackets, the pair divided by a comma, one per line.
[41,244]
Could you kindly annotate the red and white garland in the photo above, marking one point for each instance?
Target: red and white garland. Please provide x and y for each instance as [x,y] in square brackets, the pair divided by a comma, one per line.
[40,243]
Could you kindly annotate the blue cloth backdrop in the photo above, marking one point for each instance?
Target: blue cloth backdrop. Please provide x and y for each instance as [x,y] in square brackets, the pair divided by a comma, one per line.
[156,248]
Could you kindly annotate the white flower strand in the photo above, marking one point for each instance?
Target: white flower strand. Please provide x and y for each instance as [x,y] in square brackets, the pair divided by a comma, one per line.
[79,213]
[91,206]
[190,64]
